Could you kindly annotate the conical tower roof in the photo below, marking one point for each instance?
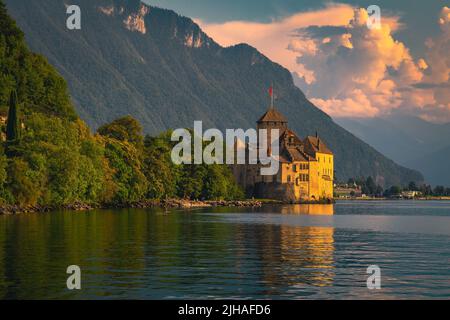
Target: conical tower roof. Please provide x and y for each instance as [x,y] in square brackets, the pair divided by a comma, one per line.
[272,115]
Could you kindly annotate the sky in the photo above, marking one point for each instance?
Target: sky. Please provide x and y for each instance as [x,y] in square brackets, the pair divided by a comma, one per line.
[343,67]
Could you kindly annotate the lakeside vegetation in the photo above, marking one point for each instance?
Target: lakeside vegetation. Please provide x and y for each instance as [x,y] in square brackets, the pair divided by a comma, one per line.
[49,157]
[58,162]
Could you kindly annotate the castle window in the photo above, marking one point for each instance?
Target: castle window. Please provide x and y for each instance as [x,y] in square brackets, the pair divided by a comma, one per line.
[295,168]
[289,178]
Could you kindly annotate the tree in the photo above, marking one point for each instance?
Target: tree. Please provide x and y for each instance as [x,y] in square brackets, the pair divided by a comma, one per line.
[130,182]
[439,191]
[161,172]
[124,129]
[13,131]
[393,191]
[412,186]
[379,191]
[22,185]
[368,186]
[426,190]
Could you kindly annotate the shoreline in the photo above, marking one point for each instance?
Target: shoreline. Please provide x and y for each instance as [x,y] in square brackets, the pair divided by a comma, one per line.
[147,204]
[394,199]
[144,204]
[186,204]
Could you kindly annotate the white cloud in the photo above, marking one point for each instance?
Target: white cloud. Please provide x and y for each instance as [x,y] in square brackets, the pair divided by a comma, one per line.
[355,72]
[273,38]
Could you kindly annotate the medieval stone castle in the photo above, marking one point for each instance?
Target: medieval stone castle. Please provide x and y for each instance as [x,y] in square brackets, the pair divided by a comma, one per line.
[306,166]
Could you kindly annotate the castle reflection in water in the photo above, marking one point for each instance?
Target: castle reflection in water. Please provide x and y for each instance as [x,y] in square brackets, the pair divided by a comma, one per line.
[297,257]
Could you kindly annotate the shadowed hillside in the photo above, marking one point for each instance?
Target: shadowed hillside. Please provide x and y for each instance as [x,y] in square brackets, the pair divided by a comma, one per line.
[162,69]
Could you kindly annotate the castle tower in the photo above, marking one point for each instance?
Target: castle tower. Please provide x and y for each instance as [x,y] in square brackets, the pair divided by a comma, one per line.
[272,119]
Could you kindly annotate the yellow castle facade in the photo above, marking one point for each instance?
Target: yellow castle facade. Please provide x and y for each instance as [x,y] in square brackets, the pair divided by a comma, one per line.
[306,167]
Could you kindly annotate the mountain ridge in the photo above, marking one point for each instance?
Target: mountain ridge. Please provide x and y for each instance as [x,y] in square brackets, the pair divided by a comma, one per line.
[408,140]
[167,73]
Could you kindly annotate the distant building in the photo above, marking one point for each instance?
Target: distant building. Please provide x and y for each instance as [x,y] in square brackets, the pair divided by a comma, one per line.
[347,191]
[411,194]
[306,166]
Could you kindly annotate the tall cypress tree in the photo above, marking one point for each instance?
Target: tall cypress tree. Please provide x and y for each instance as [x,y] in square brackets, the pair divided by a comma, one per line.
[13,123]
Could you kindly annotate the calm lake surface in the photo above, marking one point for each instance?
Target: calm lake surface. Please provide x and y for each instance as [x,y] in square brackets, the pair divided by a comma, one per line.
[289,252]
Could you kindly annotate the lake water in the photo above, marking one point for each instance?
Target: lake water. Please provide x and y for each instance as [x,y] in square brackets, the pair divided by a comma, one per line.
[288,252]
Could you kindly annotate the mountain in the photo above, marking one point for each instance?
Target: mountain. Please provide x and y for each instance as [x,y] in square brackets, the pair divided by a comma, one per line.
[435,166]
[408,140]
[130,58]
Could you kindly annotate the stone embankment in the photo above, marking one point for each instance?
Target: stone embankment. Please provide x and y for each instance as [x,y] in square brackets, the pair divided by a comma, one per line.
[167,204]
[192,204]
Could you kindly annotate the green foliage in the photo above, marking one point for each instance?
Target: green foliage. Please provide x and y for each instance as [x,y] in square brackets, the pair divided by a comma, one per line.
[159,169]
[62,160]
[5,195]
[393,191]
[13,123]
[38,85]
[125,159]
[20,184]
[124,129]
[439,191]
[412,186]
[368,186]
[189,181]
[426,190]
[58,161]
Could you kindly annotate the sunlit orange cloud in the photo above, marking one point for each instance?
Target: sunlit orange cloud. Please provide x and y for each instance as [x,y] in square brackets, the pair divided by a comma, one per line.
[273,38]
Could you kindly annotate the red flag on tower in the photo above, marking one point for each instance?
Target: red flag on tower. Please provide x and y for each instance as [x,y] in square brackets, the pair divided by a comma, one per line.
[271,96]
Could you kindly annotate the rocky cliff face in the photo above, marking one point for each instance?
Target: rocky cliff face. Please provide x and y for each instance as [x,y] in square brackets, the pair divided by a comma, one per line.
[160,67]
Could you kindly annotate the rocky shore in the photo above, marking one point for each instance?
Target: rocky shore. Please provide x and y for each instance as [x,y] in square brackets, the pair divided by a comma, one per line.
[166,204]
[16,209]
[188,204]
